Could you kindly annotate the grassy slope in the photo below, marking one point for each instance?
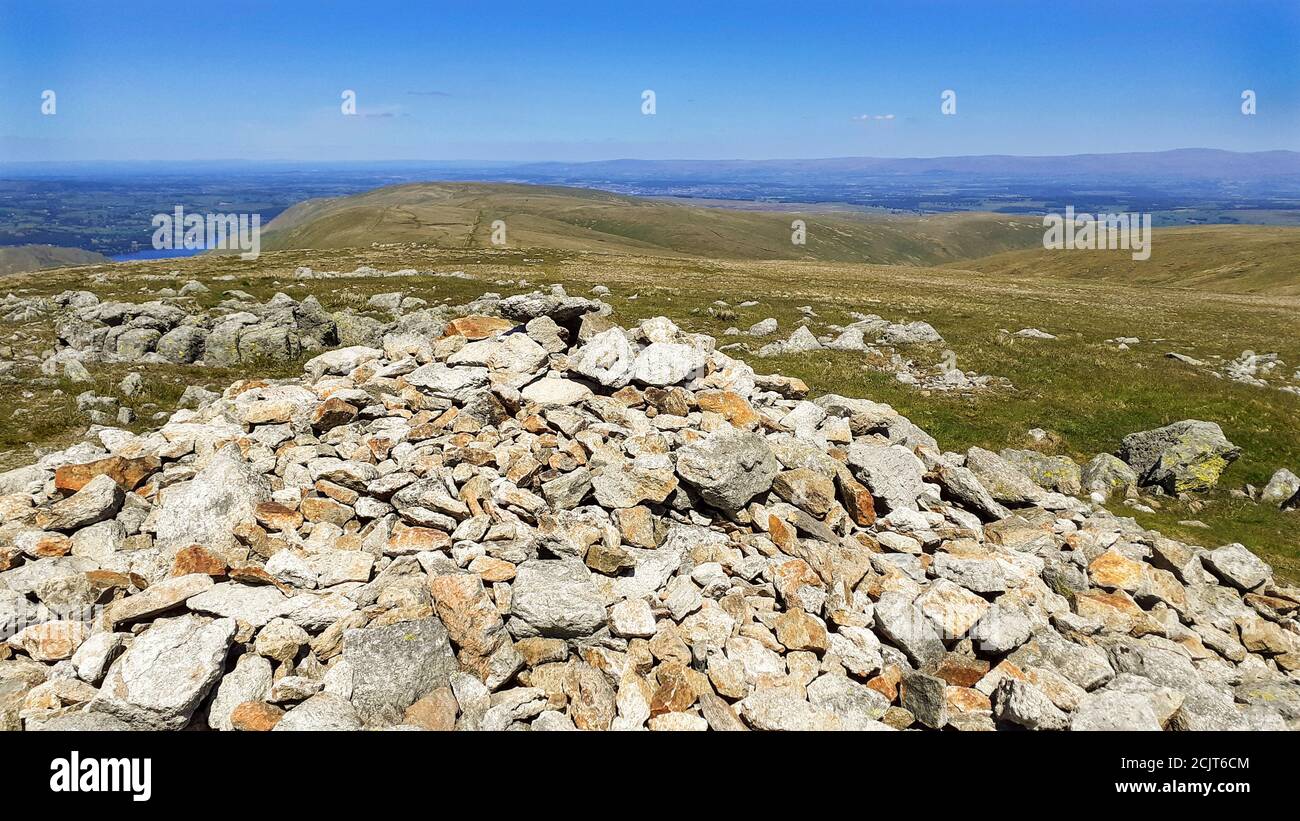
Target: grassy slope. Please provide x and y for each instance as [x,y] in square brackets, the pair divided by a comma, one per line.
[460,215]
[1225,258]
[1078,386]
[19,258]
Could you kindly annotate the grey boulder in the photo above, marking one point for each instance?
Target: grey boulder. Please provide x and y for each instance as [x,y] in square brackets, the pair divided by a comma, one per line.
[395,666]
[728,467]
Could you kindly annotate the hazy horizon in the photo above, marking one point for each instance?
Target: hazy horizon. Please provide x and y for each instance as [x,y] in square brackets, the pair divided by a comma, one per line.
[472,162]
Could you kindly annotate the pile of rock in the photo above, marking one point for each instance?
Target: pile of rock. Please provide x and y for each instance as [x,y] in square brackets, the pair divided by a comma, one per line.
[1261,370]
[542,520]
[366,271]
[881,354]
[851,337]
[238,330]
[23,309]
[1252,368]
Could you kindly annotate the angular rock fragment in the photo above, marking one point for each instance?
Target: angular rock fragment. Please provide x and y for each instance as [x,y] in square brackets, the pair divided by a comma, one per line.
[169,669]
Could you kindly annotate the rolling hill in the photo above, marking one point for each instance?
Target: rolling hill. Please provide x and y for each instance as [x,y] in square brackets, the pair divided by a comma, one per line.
[461,216]
[1247,259]
[19,258]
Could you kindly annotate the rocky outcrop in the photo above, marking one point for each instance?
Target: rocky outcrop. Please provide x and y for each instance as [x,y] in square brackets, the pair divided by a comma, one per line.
[241,331]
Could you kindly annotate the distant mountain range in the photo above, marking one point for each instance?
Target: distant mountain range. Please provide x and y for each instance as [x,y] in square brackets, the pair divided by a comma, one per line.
[1197,163]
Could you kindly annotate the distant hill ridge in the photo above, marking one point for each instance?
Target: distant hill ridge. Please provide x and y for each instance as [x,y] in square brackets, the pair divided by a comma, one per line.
[19,258]
[1199,163]
[461,215]
[1245,259]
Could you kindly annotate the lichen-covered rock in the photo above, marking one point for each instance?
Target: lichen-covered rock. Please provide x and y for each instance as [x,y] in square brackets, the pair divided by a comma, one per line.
[1185,456]
[1056,473]
[607,358]
[1106,476]
[1281,488]
[557,598]
[183,344]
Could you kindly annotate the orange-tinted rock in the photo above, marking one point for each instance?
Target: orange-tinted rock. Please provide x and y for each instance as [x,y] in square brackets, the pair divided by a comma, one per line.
[436,711]
[522,470]
[887,682]
[128,473]
[318,509]
[253,536]
[797,630]
[243,386]
[791,577]
[782,534]
[492,570]
[733,407]
[46,545]
[412,540]
[51,640]
[672,401]
[1279,607]
[477,326]
[102,580]
[1116,571]
[337,492]
[790,387]
[856,499]
[630,396]
[675,693]
[256,716]
[636,525]
[252,574]
[197,559]
[467,611]
[805,489]
[534,423]
[961,671]
[966,701]
[537,650]
[609,559]
[1116,610]
[276,516]
[591,697]
[331,413]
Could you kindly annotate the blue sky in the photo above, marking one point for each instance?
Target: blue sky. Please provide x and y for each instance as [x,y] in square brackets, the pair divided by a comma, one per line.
[551,80]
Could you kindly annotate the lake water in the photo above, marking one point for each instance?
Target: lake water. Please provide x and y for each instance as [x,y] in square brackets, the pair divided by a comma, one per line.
[153,253]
